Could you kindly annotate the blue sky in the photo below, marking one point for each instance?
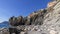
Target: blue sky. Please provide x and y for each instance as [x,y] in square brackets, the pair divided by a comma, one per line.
[10,8]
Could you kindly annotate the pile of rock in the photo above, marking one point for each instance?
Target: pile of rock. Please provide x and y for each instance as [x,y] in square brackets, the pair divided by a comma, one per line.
[44,21]
[4,31]
[34,18]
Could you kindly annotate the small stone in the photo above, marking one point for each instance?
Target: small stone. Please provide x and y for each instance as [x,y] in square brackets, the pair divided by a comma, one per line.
[53,32]
[13,33]
[48,29]
[22,33]
[38,29]
[43,33]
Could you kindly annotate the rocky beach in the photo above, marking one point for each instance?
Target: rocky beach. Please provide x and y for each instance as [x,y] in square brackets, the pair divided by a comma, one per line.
[43,21]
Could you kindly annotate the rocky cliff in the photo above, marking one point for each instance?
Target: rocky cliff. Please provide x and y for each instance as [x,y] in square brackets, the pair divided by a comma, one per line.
[44,21]
[51,24]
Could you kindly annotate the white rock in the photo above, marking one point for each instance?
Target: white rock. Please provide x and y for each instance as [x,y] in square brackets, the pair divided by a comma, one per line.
[53,32]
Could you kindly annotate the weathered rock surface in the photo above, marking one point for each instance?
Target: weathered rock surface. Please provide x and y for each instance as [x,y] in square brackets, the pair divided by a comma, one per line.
[52,22]
[44,21]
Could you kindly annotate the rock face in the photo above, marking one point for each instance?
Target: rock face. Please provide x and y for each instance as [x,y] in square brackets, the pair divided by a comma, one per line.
[44,21]
[51,24]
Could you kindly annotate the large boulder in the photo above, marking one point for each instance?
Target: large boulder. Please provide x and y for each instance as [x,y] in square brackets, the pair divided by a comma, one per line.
[13,21]
[20,20]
